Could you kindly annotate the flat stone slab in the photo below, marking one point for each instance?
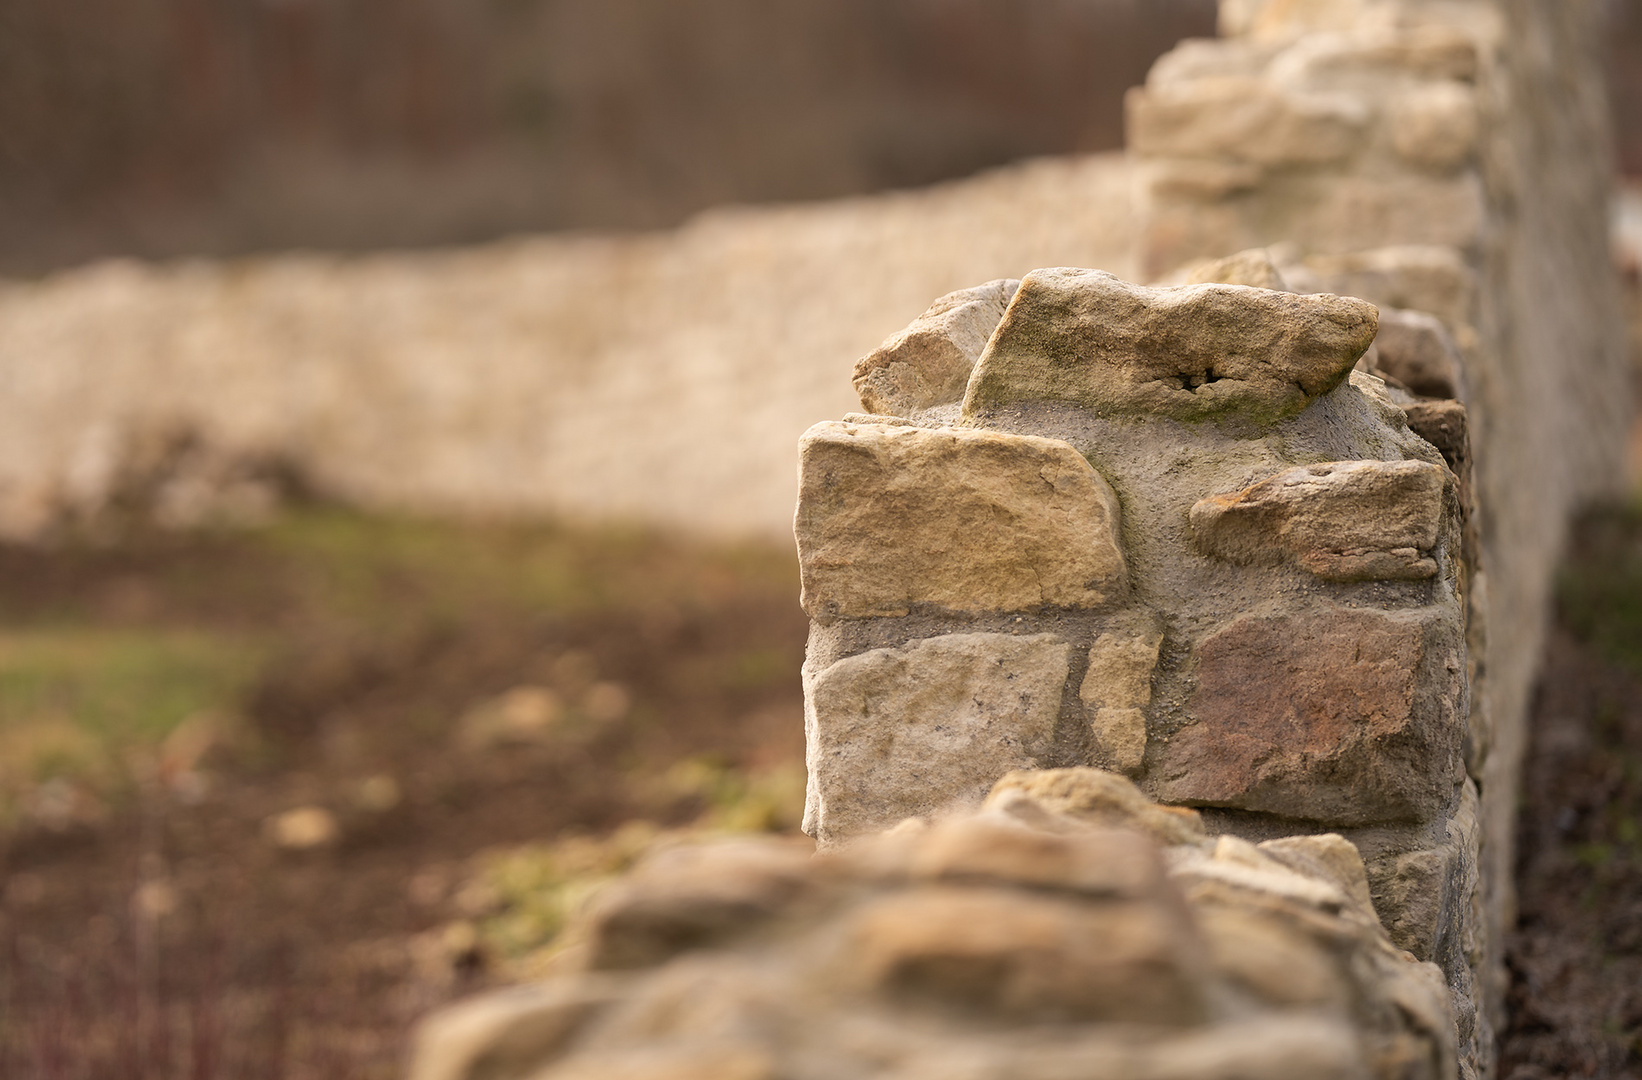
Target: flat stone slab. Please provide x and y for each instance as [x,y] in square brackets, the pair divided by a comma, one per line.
[1342,520]
[1193,352]
[969,520]
[929,362]
[907,732]
[1343,716]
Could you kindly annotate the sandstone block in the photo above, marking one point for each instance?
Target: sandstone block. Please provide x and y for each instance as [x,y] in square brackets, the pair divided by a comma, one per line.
[1253,267]
[889,517]
[1192,353]
[1417,350]
[1030,956]
[1282,19]
[505,1035]
[1327,855]
[1094,797]
[997,848]
[1343,521]
[1435,126]
[1243,119]
[1116,689]
[898,733]
[929,362]
[1420,277]
[689,897]
[1342,716]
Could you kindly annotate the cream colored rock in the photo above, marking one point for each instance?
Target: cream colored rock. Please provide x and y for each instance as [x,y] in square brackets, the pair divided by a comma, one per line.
[1435,126]
[1327,855]
[908,732]
[1192,353]
[1094,797]
[1287,18]
[1243,119]
[1253,267]
[929,362]
[1420,277]
[895,517]
[1343,521]
[506,1034]
[1116,689]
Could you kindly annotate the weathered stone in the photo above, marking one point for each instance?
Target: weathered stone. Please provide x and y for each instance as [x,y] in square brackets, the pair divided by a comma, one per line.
[1343,521]
[1417,350]
[507,1034]
[1420,277]
[1030,957]
[1283,19]
[713,1061]
[1327,855]
[929,362]
[1252,267]
[890,517]
[999,848]
[1343,716]
[1435,126]
[1191,353]
[1117,688]
[1243,119]
[1097,798]
[689,897]
[1422,896]
[898,733]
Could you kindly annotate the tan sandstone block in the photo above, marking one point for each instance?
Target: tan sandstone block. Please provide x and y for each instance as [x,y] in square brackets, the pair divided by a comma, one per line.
[899,733]
[1435,126]
[963,519]
[1117,688]
[1343,520]
[1030,956]
[1192,353]
[1243,119]
[1095,797]
[929,362]
[1344,716]
[1253,267]
[508,1033]
[996,848]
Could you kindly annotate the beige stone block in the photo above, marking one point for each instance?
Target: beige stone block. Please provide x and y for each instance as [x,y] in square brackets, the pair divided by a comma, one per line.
[509,1033]
[891,517]
[1095,797]
[1420,277]
[998,848]
[687,898]
[686,1062]
[1116,689]
[1342,520]
[1031,957]
[908,732]
[1253,267]
[1327,855]
[1288,18]
[1435,126]
[1244,119]
[1342,716]
[929,362]
[1194,352]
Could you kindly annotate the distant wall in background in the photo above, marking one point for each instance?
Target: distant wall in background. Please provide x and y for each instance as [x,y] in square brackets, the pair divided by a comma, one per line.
[165,127]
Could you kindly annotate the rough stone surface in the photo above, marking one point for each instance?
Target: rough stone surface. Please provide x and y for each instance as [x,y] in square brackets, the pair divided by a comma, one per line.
[1116,689]
[929,362]
[890,517]
[1435,126]
[1024,941]
[1191,353]
[1418,351]
[1342,716]
[1343,520]
[898,733]
[1253,268]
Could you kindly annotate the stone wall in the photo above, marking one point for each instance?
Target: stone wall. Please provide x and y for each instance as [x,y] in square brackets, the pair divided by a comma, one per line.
[1259,554]
[543,376]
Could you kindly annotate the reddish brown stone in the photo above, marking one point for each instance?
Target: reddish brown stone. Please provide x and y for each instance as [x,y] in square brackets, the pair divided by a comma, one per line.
[1341,716]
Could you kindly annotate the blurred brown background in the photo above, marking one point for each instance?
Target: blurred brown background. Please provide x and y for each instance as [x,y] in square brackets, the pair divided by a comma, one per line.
[161,127]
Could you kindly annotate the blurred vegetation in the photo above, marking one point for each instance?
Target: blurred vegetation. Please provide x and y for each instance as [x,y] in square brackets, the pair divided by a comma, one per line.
[1600,588]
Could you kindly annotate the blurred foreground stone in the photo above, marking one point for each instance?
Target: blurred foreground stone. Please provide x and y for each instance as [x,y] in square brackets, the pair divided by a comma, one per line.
[1067,928]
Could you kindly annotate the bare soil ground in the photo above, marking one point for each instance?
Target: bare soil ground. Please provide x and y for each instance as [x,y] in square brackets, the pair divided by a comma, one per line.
[149,927]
